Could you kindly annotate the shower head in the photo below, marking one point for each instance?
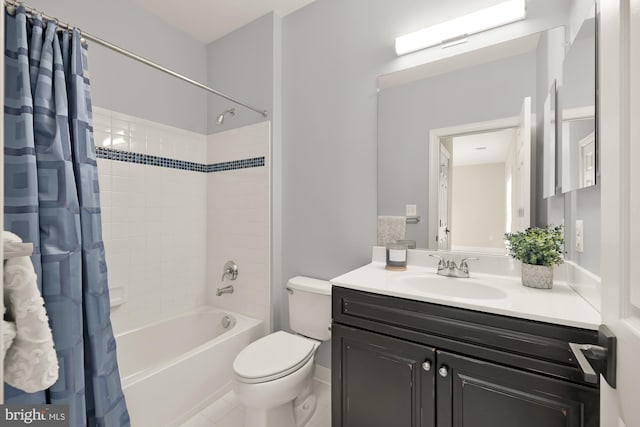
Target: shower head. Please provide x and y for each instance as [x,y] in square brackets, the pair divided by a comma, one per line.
[231,112]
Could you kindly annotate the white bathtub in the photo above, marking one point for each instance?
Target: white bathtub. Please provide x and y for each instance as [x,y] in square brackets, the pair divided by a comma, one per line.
[173,368]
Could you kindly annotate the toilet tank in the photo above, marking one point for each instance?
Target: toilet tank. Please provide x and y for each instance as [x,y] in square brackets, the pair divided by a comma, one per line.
[310,307]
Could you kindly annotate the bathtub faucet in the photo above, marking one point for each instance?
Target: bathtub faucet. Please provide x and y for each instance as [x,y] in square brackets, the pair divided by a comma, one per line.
[225,290]
[230,271]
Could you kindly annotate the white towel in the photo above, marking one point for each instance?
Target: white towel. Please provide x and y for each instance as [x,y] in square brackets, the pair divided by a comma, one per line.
[8,335]
[30,363]
[391,229]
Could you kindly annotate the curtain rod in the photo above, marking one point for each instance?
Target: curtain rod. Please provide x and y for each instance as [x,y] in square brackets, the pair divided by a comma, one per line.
[31,11]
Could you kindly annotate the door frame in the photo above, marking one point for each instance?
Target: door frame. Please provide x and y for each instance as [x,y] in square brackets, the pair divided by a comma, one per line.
[584,142]
[618,102]
[447,154]
[435,135]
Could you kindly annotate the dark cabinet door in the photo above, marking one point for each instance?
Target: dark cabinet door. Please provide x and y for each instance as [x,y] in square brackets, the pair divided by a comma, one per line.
[472,393]
[380,381]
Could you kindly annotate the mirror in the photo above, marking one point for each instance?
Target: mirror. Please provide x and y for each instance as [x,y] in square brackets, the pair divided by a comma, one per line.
[420,111]
[483,170]
[550,120]
[578,99]
[419,117]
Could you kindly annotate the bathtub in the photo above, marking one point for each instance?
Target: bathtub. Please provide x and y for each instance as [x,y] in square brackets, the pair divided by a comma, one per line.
[174,368]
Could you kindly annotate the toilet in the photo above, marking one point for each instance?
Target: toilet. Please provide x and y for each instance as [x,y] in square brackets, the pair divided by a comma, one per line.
[273,375]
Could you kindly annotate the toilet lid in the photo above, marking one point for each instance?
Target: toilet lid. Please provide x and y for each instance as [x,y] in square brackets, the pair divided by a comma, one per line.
[273,357]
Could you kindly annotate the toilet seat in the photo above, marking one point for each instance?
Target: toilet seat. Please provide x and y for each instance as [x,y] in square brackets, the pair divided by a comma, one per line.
[273,356]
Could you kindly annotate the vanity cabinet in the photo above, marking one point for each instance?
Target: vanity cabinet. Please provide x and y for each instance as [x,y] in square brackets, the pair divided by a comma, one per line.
[406,363]
[383,380]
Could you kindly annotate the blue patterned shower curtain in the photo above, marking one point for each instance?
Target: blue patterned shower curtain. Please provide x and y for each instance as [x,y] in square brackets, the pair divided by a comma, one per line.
[52,200]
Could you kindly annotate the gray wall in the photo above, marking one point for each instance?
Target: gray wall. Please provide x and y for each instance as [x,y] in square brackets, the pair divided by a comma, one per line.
[407,113]
[121,84]
[333,51]
[241,64]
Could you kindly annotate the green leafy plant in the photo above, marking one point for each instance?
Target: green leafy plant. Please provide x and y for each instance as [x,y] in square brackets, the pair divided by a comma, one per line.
[537,246]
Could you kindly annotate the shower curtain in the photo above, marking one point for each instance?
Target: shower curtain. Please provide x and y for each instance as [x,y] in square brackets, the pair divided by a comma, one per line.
[52,200]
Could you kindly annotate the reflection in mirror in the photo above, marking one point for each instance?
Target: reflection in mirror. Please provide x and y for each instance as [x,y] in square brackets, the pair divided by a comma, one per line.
[476,205]
[578,97]
[549,178]
[447,99]
[484,168]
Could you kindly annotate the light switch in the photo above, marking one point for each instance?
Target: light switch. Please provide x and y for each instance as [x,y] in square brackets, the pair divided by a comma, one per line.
[411,210]
[579,235]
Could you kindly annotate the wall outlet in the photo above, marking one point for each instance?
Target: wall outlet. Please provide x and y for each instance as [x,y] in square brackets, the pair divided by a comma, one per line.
[579,235]
[410,210]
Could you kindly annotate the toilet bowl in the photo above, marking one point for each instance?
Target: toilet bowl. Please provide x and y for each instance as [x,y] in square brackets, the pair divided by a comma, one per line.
[275,389]
[273,375]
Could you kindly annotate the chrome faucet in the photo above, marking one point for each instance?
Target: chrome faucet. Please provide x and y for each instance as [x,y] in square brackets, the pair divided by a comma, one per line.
[229,271]
[449,268]
[225,290]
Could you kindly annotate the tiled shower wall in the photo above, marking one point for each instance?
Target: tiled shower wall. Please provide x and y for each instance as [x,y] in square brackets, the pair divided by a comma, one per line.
[175,208]
[239,221]
[153,219]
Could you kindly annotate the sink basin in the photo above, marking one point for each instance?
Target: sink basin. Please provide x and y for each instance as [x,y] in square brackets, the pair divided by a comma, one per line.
[436,285]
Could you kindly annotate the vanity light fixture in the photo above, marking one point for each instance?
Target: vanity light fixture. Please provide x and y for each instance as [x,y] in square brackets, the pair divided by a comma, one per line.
[455,31]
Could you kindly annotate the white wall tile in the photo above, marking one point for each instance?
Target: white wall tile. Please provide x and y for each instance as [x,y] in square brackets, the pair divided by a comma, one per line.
[139,142]
[168,232]
[151,235]
[153,222]
[241,143]
[128,133]
[238,220]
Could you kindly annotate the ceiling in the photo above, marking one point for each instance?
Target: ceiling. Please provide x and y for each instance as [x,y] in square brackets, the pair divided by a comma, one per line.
[208,20]
[481,148]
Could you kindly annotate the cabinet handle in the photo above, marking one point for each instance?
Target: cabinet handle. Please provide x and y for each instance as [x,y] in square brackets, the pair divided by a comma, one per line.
[426,366]
[443,371]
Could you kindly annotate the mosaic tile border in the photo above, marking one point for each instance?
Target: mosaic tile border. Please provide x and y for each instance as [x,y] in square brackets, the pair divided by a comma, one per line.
[146,159]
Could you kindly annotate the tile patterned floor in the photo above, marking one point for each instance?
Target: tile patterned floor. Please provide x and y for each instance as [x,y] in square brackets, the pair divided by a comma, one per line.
[227,411]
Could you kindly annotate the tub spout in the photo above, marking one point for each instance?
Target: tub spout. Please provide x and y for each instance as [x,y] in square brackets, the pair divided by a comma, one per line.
[225,290]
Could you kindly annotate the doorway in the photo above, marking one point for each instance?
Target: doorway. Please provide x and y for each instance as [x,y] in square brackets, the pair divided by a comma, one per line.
[480,183]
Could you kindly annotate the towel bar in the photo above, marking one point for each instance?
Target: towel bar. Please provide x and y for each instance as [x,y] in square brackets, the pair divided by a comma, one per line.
[413,219]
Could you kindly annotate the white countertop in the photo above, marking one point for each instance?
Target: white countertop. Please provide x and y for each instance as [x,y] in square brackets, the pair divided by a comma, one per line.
[560,305]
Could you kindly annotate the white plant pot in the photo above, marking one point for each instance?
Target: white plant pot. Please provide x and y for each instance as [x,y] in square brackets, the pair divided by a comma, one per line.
[537,276]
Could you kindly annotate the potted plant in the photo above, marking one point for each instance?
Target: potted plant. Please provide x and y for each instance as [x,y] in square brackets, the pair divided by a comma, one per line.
[539,249]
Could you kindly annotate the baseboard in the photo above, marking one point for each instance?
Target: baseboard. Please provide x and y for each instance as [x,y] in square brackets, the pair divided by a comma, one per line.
[323,375]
